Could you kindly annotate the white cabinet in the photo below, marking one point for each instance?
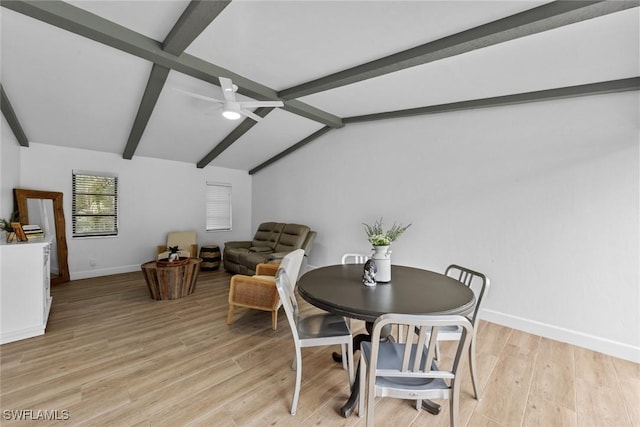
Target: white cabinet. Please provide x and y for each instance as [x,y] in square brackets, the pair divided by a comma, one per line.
[25,293]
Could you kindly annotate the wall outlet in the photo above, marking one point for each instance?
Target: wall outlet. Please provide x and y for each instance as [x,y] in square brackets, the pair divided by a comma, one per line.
[92,262]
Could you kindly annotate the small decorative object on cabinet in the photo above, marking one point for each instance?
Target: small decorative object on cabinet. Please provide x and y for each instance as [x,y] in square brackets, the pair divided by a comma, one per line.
[26,293]
[381,239]
[8,228]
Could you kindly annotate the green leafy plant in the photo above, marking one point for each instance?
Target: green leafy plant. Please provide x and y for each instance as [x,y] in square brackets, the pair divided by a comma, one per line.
[378,236]
[6,225]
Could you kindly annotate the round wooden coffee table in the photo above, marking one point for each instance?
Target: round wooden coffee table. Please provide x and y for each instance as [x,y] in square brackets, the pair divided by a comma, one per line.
[171,280]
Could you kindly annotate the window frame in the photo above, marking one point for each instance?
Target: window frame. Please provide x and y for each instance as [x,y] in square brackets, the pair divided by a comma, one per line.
[74,202]
[224,189]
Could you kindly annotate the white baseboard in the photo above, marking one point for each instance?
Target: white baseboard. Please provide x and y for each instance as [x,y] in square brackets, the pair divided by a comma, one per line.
[580,339]
[97,272]
[11,336]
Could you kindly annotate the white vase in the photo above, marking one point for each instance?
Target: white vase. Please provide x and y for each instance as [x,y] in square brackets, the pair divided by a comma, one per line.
[382,257]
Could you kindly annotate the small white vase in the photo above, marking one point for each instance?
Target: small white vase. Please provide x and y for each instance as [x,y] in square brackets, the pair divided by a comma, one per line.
[382,257]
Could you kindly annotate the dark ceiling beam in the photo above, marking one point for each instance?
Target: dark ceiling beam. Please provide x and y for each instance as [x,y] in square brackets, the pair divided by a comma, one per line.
[12,119]
[533,21]
[235,134]
[612,86]
[305,110]
[195,18]
[193,21]
[157,78]
[291,149]
[78,21]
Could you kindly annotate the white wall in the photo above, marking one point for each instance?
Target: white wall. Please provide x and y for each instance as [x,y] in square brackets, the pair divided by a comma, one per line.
[543,197]
[9,168]
[155,196]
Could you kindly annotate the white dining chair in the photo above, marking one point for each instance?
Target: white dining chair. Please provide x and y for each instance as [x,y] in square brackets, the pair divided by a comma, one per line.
[312,331]
[408,370]
[354,258]
[479,284]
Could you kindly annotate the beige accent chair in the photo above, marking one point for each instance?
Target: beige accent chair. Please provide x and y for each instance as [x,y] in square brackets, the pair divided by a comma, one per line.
[259,291]
[186,241]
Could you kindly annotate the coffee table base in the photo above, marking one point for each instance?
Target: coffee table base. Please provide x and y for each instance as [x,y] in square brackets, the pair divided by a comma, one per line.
[168,281]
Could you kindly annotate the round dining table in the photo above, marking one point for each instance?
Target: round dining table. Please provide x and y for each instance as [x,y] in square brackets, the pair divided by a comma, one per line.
[339,289]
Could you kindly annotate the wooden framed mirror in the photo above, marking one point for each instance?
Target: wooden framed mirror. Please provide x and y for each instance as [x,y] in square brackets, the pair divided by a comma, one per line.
[49,201]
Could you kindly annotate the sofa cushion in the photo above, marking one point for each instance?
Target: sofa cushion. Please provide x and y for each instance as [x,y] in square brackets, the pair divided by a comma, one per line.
[260,249]
[292,237]
[233,255]
[252,259]
[267,235]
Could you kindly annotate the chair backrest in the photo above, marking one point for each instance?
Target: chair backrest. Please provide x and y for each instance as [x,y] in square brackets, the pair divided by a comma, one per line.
[291,263]
[353,258]
[414,360]
[477,282]
[182,239]
[288,300]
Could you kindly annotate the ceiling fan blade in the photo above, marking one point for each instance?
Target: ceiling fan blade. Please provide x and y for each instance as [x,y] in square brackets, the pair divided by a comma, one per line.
[256,104]
[227,89]
[195,95]
[251,115]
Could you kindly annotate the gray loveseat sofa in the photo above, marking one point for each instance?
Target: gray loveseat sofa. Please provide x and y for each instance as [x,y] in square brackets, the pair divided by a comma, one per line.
[272,242]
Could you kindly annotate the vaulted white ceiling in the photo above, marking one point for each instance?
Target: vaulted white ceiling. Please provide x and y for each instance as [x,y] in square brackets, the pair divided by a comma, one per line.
[67,89]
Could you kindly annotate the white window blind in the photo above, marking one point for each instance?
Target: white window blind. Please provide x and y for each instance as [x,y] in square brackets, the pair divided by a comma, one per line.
[94,207]
[218,206]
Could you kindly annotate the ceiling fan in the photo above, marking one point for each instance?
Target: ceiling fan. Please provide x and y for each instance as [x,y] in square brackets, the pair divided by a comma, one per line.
[233,109]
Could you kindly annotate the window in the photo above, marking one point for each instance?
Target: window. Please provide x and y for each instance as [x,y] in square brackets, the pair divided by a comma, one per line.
[94,207]
[218,206]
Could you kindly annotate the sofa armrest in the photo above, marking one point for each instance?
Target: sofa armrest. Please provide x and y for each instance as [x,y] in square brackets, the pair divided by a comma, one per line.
[160,249]
[276,256]
[194,250]
[238,244]
[267,269]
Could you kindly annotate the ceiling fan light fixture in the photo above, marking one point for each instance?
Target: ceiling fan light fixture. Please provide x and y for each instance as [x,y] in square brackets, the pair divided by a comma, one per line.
[231,112]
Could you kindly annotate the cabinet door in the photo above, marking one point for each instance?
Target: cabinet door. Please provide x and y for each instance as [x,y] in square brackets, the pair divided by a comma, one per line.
[46,281]
[24,305]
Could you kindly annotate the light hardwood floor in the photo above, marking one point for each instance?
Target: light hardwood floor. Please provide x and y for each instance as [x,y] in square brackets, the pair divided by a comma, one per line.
[113,356]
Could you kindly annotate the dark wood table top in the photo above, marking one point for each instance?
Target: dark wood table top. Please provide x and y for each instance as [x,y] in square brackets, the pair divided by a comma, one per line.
[339,289]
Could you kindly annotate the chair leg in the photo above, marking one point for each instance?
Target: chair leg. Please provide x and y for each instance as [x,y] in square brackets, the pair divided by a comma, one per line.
[362,388]
[371,397]
[453,403]
[296,392]
[230,315]
[472,367]
[350,358]
[345,365]
[274,320]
